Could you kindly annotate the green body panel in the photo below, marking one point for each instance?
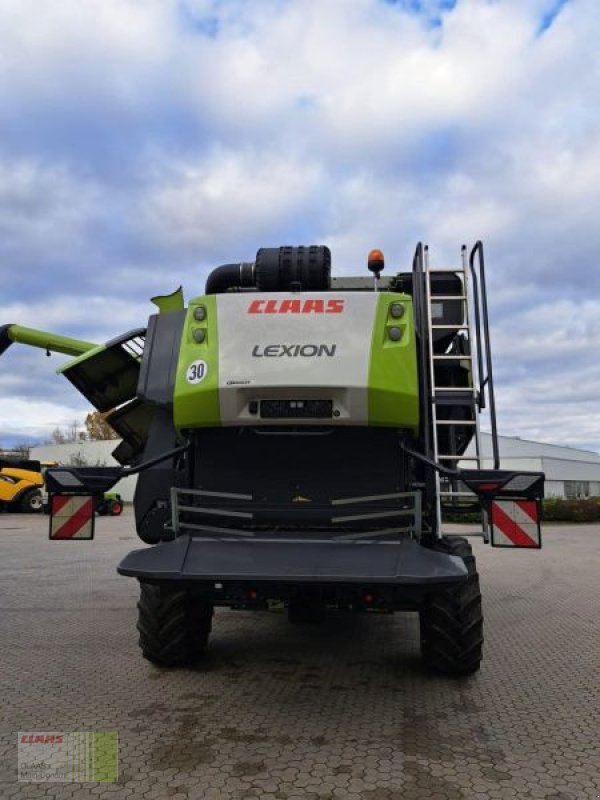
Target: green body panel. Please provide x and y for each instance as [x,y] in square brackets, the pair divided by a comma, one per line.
[197,404]
[49,341]
[169,302]
[393,376]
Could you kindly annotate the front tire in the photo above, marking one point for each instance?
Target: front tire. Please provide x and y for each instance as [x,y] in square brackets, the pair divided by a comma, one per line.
[32,503]
[174,624]
[451,620]
[101,508]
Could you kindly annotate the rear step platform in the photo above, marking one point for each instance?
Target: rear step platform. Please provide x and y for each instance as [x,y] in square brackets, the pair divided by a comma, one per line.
[193,558]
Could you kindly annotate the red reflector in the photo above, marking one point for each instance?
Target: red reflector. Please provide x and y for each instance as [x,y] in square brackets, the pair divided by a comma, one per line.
[487,487]
[368,598]
[252,594]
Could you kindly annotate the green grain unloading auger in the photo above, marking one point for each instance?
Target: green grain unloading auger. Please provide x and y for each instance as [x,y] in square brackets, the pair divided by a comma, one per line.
[297,438]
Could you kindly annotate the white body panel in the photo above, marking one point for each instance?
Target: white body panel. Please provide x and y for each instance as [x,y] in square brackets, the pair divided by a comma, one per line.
[295,346]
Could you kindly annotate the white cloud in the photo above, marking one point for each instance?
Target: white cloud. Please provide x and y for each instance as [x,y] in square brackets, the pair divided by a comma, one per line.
[74,38]
[145,142]
[43,208]
[229,196]
[102,317]
[546,368]
[37,419]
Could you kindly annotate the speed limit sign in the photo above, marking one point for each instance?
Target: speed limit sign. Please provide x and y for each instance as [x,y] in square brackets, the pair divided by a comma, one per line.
[196,372]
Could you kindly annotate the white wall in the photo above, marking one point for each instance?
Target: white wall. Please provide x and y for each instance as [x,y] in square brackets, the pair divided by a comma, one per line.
[558,463]
[554,488]
[514,447]
[561,469]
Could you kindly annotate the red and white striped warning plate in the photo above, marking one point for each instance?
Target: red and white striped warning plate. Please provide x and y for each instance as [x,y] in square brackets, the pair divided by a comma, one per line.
[516,523]
[71,516]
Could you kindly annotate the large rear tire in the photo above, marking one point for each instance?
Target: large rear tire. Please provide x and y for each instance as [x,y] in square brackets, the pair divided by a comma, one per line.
[174,624]
[451,621]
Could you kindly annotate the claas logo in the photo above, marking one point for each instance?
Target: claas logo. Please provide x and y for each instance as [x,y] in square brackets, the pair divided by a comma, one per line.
[296,306]
[41,738]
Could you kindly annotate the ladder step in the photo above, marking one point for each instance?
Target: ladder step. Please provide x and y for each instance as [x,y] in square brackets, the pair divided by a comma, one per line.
[454,389]
[448,297]
[450,271]
[459,422]
[447,457]
[465,398]
[450,327]
[453,358]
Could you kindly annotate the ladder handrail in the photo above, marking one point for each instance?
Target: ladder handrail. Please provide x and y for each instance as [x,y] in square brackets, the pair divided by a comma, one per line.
[483,343]
[478,337]
[420,324]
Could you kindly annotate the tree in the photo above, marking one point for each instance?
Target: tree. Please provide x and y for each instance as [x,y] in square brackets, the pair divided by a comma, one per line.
[19,450]
[22,449]
[97,426]
[80,460]
[70,434]
[73,432]
[58,437]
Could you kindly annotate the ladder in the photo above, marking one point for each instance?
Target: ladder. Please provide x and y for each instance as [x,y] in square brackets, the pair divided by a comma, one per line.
[440,395]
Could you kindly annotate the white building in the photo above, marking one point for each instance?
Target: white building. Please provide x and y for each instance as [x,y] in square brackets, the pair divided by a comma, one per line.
[569,472]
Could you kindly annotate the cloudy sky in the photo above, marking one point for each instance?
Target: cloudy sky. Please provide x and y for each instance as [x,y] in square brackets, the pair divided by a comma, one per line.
[144,141]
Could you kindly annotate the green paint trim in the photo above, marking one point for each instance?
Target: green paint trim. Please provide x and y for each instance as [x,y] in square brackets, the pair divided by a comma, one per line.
[197,405]
[104,757]
[49,341]
[169,302]
[393,398]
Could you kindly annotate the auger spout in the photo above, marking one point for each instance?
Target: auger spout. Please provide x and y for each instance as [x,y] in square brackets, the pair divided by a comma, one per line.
[47,341]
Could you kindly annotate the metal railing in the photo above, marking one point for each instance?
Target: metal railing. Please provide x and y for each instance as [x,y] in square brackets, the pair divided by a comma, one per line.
[229,514]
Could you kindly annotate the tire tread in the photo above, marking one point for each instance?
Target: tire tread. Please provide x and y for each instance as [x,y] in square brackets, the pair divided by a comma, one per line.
[174,624]
[452,621]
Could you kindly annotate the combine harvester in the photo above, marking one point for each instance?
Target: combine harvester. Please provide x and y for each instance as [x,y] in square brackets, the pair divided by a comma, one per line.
[21,484]
[297,439]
